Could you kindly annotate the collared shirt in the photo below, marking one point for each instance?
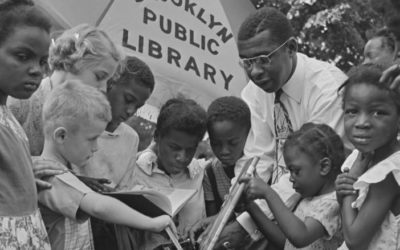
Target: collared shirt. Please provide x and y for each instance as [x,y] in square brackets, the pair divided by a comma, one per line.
[310,95]
[67,226]
[148,174]
[115,158]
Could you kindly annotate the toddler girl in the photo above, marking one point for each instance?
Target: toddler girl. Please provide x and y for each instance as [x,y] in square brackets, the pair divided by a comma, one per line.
[371,119]
[313,156]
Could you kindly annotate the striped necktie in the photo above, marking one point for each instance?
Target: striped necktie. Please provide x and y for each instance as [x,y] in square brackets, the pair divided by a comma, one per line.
[283,127]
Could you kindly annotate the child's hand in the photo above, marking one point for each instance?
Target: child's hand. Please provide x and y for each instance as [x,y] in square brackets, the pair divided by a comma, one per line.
[361,164]
[256,188]
[344,185]
[42,169]
[200,227]
[161,222]
[95,184]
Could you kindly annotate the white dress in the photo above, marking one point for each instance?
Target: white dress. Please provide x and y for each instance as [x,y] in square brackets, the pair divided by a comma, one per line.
[388,235]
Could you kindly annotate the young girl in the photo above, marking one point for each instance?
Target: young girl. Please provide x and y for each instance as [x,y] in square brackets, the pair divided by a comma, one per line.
[372,115]
[84,53]
[180,127]
[24,43]
[313,156]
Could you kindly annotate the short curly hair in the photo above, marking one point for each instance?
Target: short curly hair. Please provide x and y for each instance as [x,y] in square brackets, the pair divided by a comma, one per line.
[15,13]
[318,141]
[133,68]
[263,19]
[181,114]
[367,74]
[81,47]
[229,108]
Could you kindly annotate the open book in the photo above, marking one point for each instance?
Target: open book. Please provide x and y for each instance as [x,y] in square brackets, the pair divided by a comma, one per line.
[155,201]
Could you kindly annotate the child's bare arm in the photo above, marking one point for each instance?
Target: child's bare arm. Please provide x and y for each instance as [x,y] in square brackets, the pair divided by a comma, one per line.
[360,226]
[114,211]
[268,228]
[299,233]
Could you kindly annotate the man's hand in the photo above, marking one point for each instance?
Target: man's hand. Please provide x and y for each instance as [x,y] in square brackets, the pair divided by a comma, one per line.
[391,77]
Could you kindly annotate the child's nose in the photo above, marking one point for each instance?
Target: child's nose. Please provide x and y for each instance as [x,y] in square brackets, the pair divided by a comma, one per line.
[224,149]
[291,179]
[362,121]
[181,156]
[131,110]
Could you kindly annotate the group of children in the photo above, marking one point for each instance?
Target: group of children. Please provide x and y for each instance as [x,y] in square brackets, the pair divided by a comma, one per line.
[75,130]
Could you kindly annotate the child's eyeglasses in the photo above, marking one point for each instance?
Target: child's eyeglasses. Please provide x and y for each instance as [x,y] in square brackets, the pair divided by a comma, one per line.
[247,63]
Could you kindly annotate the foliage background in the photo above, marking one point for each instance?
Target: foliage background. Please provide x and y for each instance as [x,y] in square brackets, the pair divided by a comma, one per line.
[333,30]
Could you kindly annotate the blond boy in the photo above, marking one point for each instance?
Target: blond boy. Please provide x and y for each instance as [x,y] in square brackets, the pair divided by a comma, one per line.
[74,116]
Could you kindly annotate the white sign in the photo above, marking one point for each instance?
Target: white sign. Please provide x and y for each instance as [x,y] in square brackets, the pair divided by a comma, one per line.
[188,44]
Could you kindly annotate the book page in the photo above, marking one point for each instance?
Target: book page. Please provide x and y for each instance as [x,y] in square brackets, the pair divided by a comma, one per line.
[170,200]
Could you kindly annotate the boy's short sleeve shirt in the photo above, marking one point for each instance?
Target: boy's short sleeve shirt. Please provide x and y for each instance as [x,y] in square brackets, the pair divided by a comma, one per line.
[148,174]
[67,226]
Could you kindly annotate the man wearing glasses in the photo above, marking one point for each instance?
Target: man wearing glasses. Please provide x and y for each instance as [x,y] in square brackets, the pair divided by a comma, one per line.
[286,90]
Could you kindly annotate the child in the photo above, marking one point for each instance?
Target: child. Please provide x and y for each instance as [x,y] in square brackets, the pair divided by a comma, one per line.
[83,52]
[24,43]
[74,116]
[313,156]
[370,212]
[228,124]
[118,144]
[180,127]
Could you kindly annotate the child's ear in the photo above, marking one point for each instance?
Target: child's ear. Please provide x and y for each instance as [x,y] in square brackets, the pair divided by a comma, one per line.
[292,46]
[325,166]
[60,134]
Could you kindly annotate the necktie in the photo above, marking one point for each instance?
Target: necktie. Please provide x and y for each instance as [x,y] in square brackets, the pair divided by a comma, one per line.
[283,127]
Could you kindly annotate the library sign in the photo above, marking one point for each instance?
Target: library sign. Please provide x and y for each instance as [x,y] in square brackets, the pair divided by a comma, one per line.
[188,44]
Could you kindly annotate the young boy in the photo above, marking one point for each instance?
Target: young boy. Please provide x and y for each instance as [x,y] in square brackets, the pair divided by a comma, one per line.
[74,116]
[169,163]
[118,144]
[228,124]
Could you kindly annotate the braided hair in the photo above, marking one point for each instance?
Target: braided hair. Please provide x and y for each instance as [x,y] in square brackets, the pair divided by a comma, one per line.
[318,141]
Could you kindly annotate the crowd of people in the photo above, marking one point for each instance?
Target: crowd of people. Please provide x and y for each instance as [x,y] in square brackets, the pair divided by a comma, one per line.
[329,169]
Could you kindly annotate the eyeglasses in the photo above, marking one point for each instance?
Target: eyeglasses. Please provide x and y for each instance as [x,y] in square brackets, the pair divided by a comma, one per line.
[247,63]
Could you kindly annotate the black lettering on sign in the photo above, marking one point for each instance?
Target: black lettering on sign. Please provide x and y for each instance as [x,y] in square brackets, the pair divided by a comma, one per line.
[180,32]
[191,65]
[172,56]
[209,71]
